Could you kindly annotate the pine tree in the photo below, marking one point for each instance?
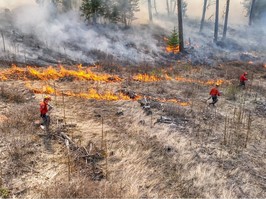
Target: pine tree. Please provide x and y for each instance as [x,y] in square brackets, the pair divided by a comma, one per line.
[127,8]
[173,39]
[92,9]
[111,10]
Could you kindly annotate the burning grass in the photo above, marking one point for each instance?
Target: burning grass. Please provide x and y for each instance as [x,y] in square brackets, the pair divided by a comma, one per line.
[51,73]
[85,74]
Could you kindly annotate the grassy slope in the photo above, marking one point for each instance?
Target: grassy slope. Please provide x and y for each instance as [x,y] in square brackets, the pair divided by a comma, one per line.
[188,159]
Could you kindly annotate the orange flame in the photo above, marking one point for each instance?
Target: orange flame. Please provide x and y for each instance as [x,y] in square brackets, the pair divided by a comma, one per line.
[51,73]
[146,78]
[16,73]
[93,94]
[175,101]
[213,82]
[172,49]
[209,82]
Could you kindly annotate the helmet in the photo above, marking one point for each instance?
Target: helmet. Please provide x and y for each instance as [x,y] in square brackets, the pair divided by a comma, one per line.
[217,85]
[245,73]
[47,97]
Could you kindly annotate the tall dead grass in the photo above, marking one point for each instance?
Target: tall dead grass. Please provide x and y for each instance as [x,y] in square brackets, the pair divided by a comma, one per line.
[81,187]
[15,94]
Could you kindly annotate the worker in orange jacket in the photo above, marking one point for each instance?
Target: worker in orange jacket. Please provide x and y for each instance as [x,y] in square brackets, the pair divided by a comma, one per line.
[44,108]
[214,94]
[243,79]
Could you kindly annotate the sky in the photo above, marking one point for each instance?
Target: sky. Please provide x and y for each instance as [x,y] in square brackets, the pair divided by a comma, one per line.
[194,10]
[237,14]
[10,4]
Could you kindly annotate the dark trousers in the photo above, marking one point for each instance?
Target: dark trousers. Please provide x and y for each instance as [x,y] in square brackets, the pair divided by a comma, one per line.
[242,84]
[214,100]
[45,119]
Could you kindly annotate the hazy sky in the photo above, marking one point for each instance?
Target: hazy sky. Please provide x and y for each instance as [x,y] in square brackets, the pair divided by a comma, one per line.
[14,3]
[194,10]
[237,14]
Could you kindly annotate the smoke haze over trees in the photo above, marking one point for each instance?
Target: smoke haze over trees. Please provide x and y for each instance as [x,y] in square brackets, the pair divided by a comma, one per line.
[58,26]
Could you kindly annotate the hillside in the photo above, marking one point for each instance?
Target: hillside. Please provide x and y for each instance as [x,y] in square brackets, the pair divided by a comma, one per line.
[131,116]
[134,136]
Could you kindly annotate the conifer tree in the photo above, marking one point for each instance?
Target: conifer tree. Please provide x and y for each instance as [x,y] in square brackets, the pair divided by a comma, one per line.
[173,39]
[92,9]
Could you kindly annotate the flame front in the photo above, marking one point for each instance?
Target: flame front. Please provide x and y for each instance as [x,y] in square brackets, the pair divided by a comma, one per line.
[150,78]
[51,73]
[209,82]
[29,73]
[93,94]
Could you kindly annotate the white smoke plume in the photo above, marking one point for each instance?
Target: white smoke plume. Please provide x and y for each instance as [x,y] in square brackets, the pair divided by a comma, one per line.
[35,33]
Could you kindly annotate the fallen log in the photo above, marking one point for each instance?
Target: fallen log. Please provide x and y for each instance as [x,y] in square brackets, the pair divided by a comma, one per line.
[68,139]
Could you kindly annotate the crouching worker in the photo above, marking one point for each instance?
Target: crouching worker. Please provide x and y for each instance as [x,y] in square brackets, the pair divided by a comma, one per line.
[44,108]
[214,94]
[243,79]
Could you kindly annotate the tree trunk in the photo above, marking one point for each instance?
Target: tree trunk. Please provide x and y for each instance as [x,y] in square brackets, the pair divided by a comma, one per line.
[203,15]
[251,14]
[150,11]
[180,25]
[3,38]
[167,6]
[174,7]
[226,18]
[216,26]
[155,6]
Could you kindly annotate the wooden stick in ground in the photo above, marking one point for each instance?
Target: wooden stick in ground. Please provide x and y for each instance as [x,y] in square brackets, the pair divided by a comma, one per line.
[102,134]
[2,89]
[64,109]
[151,119]
[106,156]
[69,168]
[55,94]
[225,128]
[1,181]
[248,130]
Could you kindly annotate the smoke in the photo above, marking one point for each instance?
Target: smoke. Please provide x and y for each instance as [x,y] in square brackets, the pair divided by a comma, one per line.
[71,38]
[47,37]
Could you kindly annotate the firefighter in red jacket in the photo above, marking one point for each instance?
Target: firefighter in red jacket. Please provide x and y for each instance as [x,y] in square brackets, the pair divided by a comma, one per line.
[214,94]
[243,80]
[44,108]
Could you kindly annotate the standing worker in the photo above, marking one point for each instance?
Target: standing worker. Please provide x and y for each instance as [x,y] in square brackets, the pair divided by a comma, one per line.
[243,80]
[214,94]
[44,108]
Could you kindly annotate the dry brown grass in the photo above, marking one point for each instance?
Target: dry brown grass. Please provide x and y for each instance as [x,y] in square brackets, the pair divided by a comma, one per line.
[17,131]
[15,93]
[81,187]
[189,159]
